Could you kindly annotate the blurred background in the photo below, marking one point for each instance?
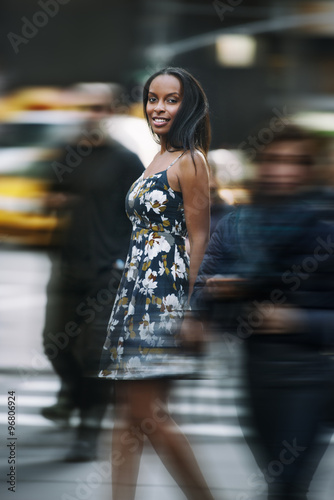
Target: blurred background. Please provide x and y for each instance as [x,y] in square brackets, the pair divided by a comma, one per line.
[257,60]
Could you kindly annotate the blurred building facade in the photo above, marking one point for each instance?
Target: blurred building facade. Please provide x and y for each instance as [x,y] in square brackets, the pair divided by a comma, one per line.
[280,55]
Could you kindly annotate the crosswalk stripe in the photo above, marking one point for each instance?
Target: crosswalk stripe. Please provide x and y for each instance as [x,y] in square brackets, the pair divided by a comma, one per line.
[205,430]
[30,401]
[204,392]
[176,408]
[41,385]
[203,407]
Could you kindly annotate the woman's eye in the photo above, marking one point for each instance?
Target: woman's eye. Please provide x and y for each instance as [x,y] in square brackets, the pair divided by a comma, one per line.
[151,99]
[173,101]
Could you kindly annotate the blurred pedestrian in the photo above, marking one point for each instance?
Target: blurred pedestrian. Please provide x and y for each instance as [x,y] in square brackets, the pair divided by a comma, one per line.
[142,352]
[91,182]
[218,206]
[267,275]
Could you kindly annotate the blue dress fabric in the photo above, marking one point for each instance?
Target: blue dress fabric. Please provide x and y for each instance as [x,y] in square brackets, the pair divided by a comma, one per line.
[142,340]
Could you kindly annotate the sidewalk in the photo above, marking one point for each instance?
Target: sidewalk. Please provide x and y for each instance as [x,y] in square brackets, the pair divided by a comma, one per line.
[41,473]
[41,446]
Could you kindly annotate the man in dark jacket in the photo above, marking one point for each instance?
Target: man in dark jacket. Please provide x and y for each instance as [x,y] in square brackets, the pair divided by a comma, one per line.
[267,277]
[91,183]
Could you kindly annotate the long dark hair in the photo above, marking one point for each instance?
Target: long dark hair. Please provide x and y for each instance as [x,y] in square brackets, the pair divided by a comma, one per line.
[190,129]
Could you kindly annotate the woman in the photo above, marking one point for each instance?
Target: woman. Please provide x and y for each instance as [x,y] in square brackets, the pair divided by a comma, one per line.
[142,351]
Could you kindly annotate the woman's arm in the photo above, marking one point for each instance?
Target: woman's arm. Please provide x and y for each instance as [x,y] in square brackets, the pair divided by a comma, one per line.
[194,184]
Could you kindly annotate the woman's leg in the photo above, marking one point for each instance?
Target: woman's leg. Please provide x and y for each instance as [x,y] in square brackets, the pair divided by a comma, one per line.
[127,446]
[148,407]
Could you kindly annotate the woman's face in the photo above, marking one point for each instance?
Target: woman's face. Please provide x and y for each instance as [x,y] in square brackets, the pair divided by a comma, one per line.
[164,99]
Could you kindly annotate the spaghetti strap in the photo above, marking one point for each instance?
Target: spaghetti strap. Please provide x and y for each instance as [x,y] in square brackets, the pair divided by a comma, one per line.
[174,161]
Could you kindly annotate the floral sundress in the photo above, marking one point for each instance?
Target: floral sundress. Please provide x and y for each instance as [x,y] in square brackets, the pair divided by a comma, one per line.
[142,340]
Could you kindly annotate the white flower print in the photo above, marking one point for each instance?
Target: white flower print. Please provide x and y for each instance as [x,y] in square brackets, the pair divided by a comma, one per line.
[133,364]
[177,228]
[170,306]
[136,287]
[178,268]
[112,375]
[167,324]
[121,301]
[112,323]
[139,189]
[146,330]
[182,298]
[156,201]
[165,221]
[160,342]
[134,263]
[122,293]
[139,235]
[171,192]
[161,268]
[149,283]
[120,348]
[131,309]
[134,191]
[155,244]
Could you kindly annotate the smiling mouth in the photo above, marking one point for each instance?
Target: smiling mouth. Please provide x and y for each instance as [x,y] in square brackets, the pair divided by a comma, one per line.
[160,120]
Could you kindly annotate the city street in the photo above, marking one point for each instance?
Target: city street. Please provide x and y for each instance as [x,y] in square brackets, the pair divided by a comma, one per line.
[31,456]
[238,98]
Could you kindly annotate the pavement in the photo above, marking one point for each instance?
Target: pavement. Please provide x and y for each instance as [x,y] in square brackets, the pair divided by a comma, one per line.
[32,454]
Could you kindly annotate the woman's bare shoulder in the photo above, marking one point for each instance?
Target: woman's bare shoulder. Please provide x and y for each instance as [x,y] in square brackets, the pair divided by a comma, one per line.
[193,164]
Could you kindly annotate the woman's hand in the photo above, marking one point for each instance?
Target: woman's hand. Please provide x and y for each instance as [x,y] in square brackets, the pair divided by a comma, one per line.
[281,320]
[192,335]
[222,288]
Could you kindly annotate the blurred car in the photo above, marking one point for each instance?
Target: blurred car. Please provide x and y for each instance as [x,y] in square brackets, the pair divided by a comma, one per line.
[29,142]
